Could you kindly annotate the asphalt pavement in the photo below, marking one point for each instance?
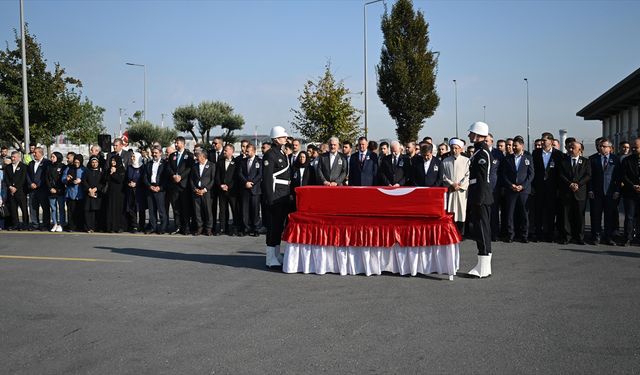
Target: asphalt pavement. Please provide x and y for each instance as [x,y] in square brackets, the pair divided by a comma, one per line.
[135,304]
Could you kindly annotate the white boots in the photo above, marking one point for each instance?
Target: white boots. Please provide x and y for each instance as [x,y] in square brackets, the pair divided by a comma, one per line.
[483,268]
[273,256]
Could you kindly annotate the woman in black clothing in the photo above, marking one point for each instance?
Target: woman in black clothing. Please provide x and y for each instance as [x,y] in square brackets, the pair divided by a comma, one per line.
[56,188]
[135,195]
[92,185]
[302,176]
[114,177]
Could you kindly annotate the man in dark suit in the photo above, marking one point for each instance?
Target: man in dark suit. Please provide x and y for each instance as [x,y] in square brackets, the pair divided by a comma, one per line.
[38,192]
[517,175]
[363,165]
[180,164]
[545,184]
[227,190]
[426,170]
[214,155]
[499,206]
[118,149]
[156,178]
[631,193]
[604,191]
[250,179]
[203,176]
[394,168]
[16,176]
[332,166]
[575,174]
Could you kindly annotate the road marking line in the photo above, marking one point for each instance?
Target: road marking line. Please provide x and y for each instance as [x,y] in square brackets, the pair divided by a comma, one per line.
[68,259]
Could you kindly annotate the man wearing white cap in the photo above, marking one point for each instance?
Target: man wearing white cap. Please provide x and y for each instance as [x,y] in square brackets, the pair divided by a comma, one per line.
[480,197]
[456,178]
[275,189]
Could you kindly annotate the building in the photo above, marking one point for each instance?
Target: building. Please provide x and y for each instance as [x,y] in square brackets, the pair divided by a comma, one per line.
[618,109]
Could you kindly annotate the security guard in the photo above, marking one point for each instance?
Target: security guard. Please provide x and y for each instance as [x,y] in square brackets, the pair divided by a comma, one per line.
[275,189]
[480,197]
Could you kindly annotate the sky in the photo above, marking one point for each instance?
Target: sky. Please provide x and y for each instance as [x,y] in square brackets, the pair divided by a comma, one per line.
[257,56]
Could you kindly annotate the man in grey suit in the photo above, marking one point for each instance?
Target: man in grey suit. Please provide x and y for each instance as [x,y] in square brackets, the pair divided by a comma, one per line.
[332,166]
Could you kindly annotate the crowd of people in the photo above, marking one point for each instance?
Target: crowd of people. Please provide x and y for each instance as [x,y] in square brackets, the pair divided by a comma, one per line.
[213,190]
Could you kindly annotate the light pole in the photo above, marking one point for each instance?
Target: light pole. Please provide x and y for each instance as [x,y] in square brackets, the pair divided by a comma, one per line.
[25,96]
[484,113]
[144,112]
[528,143]
[366,122]
[120,110]
[455,86]
[162,119]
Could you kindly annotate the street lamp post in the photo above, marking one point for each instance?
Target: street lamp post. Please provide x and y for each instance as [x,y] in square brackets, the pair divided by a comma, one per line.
[25,96]
[455,86]
[120,110]
[162,119]
[484,113]
[528,139]
[144,112]
[366,122]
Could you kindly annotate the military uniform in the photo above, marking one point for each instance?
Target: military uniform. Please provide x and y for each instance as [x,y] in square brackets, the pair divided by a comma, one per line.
[481,196]
[276,178]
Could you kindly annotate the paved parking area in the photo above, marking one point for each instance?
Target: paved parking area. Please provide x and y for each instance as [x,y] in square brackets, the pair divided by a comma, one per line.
[135,304]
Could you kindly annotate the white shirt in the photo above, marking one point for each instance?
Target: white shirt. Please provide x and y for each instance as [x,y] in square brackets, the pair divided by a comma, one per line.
[301,174]
[332,159]
[36,165]
[154,171]
[546,156]
[249,163]
[201,170]
[427,163]
[574,161]
[362,157]
[226,164]
[15,166]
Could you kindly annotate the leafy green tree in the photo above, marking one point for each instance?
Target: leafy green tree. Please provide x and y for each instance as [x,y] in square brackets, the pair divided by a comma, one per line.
[407,70]
[89,125]
[326,110]
[206,116]
[144,133]
[55,105]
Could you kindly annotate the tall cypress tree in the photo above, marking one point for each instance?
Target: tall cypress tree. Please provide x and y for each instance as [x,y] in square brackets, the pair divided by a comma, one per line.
[407,70]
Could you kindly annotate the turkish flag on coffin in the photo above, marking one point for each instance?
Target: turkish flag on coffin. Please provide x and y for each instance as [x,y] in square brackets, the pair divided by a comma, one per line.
[371,201]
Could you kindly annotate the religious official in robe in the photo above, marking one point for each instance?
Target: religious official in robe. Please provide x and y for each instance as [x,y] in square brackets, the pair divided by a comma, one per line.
[456,177]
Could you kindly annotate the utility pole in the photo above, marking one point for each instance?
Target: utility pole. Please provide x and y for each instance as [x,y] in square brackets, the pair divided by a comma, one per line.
[25,96]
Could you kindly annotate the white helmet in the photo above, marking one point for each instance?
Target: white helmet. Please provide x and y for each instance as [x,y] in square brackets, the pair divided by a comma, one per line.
[277,132]
[480,128]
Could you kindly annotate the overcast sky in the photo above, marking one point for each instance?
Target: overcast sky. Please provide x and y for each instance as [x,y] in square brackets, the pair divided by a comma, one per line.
[257,55]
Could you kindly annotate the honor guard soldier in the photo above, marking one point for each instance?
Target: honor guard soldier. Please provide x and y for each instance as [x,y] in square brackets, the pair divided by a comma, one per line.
[480,197]
[275,188]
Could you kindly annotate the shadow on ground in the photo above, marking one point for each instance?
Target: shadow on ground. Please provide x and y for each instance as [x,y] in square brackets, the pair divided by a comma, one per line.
[238,261]
[616,253]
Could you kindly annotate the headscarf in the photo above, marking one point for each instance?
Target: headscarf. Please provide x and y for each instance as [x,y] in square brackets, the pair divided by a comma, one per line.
[299,164]
[92,158]
[137,160]
[58,158]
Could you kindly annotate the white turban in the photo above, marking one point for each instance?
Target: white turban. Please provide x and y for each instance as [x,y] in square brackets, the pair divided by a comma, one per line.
[456,141]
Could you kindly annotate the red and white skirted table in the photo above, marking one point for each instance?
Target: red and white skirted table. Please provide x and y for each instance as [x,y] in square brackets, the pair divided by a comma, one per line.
[370,230]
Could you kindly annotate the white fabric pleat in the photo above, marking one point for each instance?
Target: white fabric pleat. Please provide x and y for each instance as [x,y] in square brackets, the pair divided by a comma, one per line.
[442,259]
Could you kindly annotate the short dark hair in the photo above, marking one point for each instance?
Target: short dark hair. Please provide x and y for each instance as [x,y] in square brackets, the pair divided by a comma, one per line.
[244,141]
[569,140]
[373,145]
[230,145]
[383,143]
[266,143]
[518,139]
[427,138]
[624,143]
[362,138]
[289,146]
[547,135]
[71,153]
[509,139]
[311,147]
[4,147]
[501,141]
[180,139]
[347,143]
[426,148]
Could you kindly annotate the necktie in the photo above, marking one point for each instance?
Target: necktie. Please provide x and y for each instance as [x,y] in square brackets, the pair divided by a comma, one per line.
[249,165]
[605,164]
[362,158]
[574,163]
[395,161]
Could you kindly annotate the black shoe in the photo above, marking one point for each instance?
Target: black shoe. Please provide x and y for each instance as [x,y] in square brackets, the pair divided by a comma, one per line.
[209,233]
[241,234]
[148,231]
[177,231]
[595,241]
[563,242]
[580,242]
[609,242]
[254,234]
[218,233]
[625,243]
[525,240]
[508,240]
